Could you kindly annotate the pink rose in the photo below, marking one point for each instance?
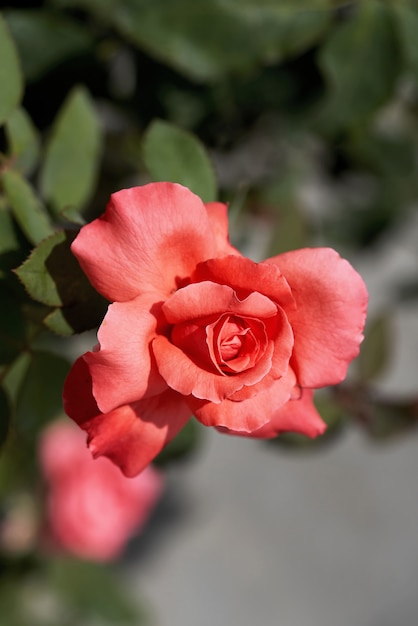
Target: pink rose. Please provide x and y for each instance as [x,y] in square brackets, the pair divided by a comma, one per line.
[197,328]
[92,509]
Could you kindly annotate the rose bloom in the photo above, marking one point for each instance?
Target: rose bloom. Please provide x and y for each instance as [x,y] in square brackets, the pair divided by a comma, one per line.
[196,328]
[92,509]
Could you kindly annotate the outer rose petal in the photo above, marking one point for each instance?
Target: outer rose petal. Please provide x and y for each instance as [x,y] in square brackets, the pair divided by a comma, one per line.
[78,400]
[249,415]
[299,416]
[245,276]
[218,217]
[122,370]
[149,239]
[132,435]
[331,300]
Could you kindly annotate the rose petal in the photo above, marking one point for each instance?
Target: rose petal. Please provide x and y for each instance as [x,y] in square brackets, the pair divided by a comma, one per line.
[122,369]
[149,239]
[249,415]
[132,435]
[245,276]
[218,217]
[236,346]
[78,400]
[299,416]
[283,344]
[191,339]
[331,301]
[207,298]
[202,301]
[187,377]
[194,373]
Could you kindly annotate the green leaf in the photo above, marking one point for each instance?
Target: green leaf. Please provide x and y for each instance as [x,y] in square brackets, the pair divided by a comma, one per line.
[172,154]
[23,141]
[209,40]
[13,246]
[56,322]
[92,590]
[73,216]
[45,39]
[376,348]
[5,416]
[12,329]
[10,74]
[53,276]
[72,156]
[35,275]
[361,61]
[27,208]
[40,395]
[302,29]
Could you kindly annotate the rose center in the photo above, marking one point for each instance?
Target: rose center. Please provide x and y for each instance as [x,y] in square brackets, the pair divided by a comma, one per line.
[229,344]
[231,340]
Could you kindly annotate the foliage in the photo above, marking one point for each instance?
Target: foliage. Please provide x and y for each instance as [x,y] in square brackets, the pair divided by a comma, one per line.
[264,104]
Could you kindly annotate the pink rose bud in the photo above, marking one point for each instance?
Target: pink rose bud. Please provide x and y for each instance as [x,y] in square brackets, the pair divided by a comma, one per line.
[92,509]
[196,328]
